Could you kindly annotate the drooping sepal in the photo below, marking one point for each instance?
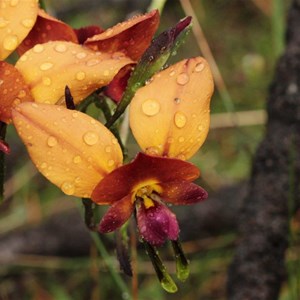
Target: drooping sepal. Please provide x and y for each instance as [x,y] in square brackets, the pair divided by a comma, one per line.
[182,264]
[163,276]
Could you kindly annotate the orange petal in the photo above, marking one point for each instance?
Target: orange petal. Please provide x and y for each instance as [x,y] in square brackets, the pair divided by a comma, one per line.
[47,29]
[170,116]
[48,68]
[131,37]
[16,20]
[13,90]
[71,149]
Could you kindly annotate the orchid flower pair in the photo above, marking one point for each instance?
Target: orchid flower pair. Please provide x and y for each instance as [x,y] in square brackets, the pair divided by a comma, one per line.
[169,118]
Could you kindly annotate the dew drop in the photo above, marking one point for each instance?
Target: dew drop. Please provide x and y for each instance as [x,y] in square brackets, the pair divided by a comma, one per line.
[199,67]
[22,94]
[60,48]
[68,188]
[10,42]
[81,55]
[110,162]
[172,73]
[14,3]
[23,58]
[181,139]
[52,141]
[77,159]
[183,78]
[107,149]
[46,66]
[80,75]
[38,48]
[114,141]
[92,62]
[180,119]
[177,100]
[75,114]
[3,22]
[90,138]
[201,127]
[44,165]
[46,81]
[150,107]
[106,73]
[28,23]
[1,81]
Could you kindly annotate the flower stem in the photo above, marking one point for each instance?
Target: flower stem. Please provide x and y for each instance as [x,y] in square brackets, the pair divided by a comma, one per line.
[104,254]
[89,214]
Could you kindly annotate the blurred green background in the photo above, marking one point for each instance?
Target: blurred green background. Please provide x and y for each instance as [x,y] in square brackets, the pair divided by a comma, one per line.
[246,38]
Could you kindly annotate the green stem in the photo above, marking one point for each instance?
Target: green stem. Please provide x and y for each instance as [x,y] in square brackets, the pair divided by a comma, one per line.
[157,4]
[109,263]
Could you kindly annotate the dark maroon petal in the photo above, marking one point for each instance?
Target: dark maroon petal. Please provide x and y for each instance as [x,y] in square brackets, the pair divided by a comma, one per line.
[144,168]
[116,215]
[117,86]
[84,33]
[157,224]
[182,192]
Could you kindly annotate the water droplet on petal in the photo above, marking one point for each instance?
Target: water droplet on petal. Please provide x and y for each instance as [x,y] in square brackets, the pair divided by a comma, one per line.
[28,23]
[46,66]
[107,149]
[14,2]
[181,139]
[52,141]
[180,119]
[46,81]
[81,55]
[60,48]
[92,62]
[110,162]
[199,67]
[38,48]
[68,188]
[150,107]
[77,159]
[43,165]
[80,75]
[10,42]
[183,78]
[90,138]
[22,94]
[3,22]
[201,127]
[172,73]
[23,57]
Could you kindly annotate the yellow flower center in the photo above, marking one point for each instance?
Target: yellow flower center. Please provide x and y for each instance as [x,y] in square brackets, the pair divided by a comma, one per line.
[144,191]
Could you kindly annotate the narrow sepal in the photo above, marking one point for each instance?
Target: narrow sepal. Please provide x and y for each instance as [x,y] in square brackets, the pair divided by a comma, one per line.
[118,213]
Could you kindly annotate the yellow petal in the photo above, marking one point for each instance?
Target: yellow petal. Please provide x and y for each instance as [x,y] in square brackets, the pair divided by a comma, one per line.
[71,149]
[48,68]
[170,115]
[17,17]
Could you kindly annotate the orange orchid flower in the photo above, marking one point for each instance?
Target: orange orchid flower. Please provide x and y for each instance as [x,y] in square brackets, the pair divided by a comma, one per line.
[83,158]
[54,57]
[16,20]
